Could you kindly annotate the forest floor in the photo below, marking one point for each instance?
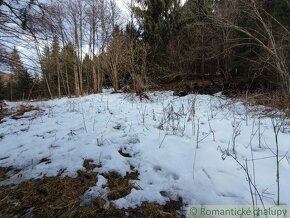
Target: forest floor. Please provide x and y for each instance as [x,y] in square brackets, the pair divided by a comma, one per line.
[116,155]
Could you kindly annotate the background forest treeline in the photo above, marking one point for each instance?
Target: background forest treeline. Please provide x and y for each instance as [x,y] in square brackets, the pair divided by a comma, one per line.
[77,47]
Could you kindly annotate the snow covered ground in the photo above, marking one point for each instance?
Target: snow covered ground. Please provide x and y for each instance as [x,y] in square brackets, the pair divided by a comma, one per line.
[180,146]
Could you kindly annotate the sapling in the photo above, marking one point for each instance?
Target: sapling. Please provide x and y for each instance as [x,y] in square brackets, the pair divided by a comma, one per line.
[252,158]
[253,133]
[194,161]
[142,111]
[192,112]
[235,132]
[252,186]
[197,134]
[196,148]
[211,108]
[163,140]
[108,121]
[277,124]
[198,139]
[210,128]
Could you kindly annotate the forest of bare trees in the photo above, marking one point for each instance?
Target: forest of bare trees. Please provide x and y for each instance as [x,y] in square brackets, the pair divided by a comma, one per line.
[78,47]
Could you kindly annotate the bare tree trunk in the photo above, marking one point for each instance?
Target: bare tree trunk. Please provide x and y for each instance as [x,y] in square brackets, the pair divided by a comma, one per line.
[100,78]
[202,55]
[48,87]
[80,49]
[95,80]
[115,77]
[92,43]
[58,77]
[63,83]
[77,87]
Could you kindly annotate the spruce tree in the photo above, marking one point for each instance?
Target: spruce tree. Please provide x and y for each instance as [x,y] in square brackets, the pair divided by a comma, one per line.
[15,62]
[159,23]
[55,65]
[87,76]
[24,83]
[68,57]
[23,80]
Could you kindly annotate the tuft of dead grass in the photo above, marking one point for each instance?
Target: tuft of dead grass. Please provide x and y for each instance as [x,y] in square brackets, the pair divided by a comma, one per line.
[119,186]
[89,165]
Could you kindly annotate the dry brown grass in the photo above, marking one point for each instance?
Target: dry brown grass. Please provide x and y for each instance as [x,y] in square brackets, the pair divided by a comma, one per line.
[61,197]
[272,101]
[89,165]
[3,173]
[119,186]
[48,197]
[21,110]
[154,210]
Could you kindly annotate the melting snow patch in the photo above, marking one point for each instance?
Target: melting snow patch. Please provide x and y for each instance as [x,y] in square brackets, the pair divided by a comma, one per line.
[195,147]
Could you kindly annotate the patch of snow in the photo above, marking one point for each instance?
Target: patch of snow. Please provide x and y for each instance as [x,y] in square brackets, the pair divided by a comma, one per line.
[161,135]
